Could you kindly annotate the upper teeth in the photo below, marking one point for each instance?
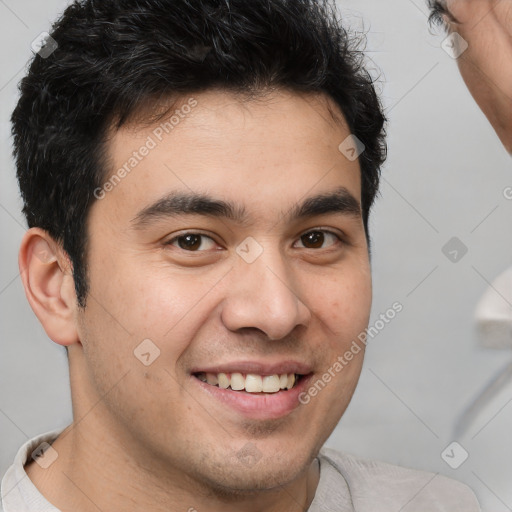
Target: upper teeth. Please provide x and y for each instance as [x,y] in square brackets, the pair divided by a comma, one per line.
[251,382]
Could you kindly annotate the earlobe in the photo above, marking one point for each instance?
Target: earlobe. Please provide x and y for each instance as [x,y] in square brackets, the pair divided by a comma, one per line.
[46,274]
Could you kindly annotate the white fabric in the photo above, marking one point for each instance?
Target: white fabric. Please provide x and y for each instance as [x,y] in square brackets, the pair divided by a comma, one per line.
[347,484]
[493,313]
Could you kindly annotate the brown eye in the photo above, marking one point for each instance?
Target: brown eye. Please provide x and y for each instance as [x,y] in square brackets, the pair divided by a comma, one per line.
[190,242]
[316,239]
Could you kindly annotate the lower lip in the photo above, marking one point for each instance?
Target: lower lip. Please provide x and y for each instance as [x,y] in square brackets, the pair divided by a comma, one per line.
[258,406]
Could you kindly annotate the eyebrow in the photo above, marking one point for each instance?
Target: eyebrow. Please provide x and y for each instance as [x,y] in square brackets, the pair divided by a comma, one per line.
[176,204]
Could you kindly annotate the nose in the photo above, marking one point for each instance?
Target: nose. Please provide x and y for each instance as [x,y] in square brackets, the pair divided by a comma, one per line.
[263,295]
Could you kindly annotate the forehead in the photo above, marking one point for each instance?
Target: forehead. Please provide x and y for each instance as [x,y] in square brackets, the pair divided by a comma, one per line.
[217,113]
[258,152]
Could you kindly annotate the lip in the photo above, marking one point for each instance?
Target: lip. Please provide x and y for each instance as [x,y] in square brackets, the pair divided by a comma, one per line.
[257,368]
[257,406]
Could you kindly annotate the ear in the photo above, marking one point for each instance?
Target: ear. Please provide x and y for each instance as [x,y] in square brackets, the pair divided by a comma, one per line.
[46,273]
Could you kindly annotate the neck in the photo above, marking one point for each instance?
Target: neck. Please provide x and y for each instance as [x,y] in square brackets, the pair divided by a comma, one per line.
[100,466]
[95,473]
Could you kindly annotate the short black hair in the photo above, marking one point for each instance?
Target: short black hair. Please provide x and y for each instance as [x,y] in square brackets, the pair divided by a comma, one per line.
[110,59]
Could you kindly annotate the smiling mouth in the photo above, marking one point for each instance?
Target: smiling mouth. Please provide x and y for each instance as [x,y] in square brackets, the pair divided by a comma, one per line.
[250,382]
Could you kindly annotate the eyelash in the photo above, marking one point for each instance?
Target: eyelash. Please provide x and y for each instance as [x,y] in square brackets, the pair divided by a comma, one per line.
[438,12]
[319,230]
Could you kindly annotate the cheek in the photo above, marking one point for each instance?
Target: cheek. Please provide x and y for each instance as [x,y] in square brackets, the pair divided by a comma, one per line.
[143,298]
[141,302]
[476,81]
[469,11]
[342,303]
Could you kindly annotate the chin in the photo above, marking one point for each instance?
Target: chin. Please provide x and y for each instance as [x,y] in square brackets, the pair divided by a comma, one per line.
[268,473]
[250,481]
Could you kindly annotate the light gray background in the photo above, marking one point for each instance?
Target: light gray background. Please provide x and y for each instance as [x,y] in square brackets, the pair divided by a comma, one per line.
[445,177]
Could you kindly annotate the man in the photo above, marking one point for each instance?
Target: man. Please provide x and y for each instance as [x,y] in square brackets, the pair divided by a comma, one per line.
[197,178]
[486,65]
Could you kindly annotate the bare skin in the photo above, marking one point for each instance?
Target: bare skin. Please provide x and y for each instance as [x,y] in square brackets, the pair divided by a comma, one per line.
[486,65]
[151,437]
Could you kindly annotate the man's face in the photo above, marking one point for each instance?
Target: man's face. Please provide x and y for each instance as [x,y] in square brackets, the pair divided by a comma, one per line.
[486,65]
[277,293]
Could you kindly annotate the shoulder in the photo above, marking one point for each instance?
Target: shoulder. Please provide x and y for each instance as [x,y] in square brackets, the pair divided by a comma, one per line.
[374,484]
[17,491]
